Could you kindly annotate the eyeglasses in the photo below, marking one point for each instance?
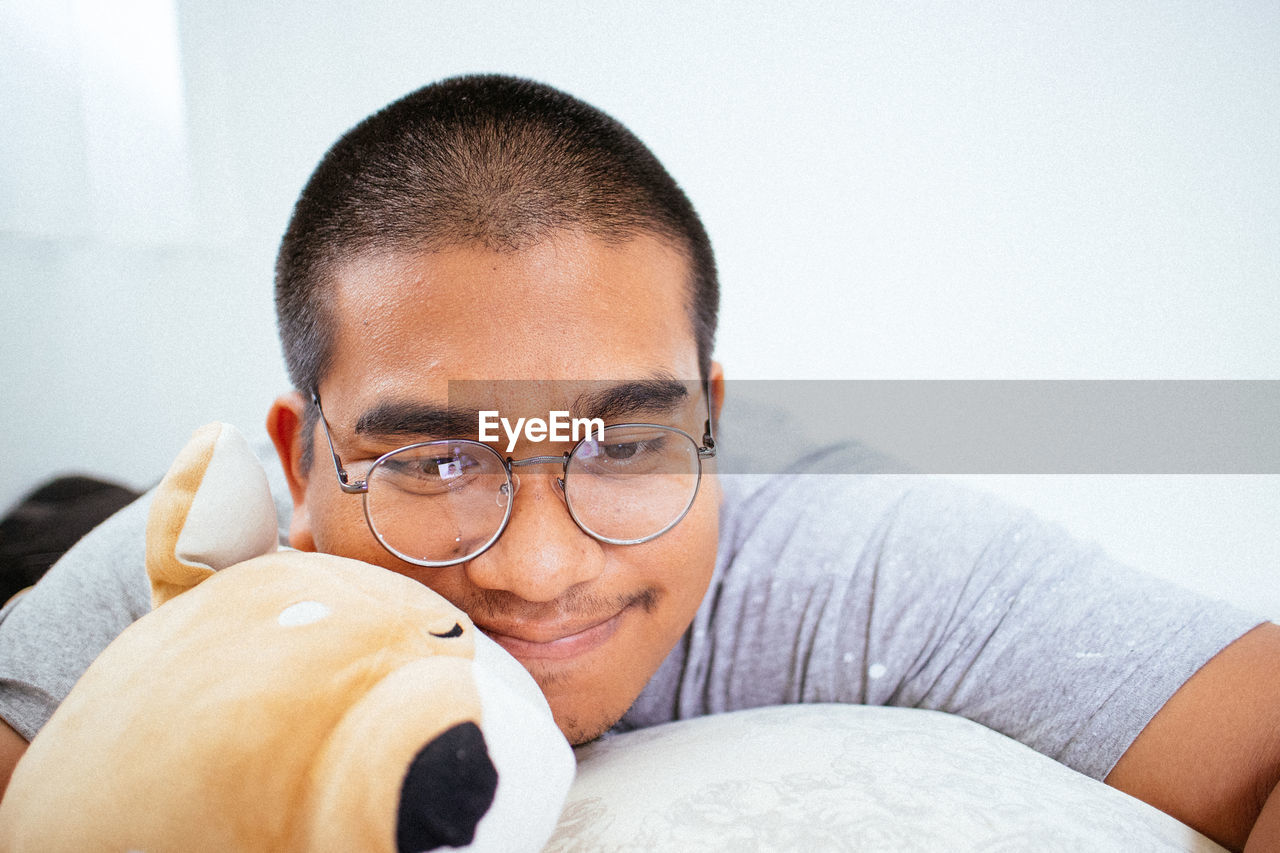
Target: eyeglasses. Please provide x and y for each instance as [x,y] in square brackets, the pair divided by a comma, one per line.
[439,503]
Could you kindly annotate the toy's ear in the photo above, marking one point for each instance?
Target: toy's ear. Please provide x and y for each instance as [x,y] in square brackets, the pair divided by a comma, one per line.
[212,510]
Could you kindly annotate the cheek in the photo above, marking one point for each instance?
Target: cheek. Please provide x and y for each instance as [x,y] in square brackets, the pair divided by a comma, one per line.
[338,526]
[704,532]
[688,553]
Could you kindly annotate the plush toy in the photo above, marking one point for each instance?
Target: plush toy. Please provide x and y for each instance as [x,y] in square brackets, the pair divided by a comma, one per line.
[280,701]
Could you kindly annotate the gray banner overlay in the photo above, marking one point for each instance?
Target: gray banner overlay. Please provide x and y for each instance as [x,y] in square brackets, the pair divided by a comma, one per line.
[1039,427]
[1142,427]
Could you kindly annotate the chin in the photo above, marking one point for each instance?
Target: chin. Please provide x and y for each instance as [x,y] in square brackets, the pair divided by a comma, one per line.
[578,723]
[579,732]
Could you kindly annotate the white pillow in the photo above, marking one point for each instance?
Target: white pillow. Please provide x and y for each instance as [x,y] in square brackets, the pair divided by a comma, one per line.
[846,777]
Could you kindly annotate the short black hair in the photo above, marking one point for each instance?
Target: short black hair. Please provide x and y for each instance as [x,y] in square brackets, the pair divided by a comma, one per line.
[490,160]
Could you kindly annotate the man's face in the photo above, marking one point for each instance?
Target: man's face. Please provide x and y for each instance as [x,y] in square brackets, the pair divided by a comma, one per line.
[590,621]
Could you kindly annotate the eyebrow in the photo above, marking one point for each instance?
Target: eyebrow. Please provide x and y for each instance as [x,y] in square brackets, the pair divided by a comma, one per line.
[401,418]
[658,395]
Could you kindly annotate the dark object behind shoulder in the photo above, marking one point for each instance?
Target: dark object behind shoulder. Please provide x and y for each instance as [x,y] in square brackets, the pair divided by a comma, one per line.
[47,522]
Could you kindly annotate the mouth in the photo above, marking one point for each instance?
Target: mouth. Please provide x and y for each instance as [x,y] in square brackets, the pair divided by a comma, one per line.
[552,641]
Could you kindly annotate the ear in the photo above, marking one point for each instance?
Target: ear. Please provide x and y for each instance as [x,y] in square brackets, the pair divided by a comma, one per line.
[285,424]
[716,381]
[212,510]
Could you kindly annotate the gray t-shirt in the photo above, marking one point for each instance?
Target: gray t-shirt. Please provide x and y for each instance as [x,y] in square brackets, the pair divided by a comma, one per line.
[874,588]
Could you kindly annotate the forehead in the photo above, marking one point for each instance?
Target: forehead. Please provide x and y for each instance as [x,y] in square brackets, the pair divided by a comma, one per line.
[572,306]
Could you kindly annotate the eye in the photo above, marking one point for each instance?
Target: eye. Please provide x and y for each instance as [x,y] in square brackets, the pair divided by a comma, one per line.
[428,473]
[442,468]
[621,450]
[629,450]
[455,631]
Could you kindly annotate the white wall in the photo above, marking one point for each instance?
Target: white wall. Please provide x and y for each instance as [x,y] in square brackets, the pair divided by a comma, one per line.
[927,190]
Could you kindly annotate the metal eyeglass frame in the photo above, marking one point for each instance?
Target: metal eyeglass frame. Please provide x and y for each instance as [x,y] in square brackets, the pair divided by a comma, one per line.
[707,450]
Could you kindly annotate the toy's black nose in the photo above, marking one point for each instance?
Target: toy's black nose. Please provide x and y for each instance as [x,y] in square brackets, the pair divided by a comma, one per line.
[448,788]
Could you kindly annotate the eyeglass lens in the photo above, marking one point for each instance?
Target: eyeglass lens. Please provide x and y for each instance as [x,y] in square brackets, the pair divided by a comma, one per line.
[446,501]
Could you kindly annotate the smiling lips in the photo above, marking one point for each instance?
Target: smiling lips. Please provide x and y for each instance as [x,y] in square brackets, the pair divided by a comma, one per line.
[553,642]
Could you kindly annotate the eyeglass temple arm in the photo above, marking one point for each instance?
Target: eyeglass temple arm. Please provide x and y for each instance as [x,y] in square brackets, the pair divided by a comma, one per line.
[343,480]
[708,448]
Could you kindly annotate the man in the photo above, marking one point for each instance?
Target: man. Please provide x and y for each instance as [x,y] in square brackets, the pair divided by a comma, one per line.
[489,230]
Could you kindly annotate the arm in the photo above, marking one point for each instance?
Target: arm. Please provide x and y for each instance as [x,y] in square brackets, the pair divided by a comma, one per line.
[964,605]
[50,635]
[1211,756]
[12,746]
[1266,832]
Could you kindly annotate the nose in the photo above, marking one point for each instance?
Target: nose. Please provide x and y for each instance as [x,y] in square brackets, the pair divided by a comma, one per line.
[449,787]
[542,553]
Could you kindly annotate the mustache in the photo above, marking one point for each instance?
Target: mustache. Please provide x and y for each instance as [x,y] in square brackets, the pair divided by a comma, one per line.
[574,605]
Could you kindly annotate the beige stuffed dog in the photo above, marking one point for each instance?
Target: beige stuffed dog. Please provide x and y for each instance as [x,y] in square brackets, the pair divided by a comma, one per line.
[281,701]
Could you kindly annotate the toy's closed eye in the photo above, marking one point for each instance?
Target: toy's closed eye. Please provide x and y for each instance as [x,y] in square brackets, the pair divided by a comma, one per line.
[455,631]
